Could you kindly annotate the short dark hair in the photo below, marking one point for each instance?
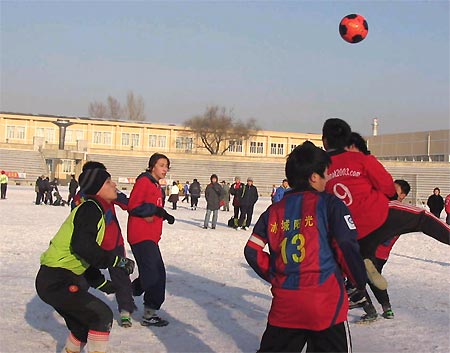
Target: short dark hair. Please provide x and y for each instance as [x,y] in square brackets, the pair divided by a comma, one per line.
[358,141]
[404,185]
[337,133]
[155,158]
[302,162]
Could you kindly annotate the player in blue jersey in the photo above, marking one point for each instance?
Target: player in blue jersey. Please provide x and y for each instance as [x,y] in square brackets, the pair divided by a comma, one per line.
[311,241]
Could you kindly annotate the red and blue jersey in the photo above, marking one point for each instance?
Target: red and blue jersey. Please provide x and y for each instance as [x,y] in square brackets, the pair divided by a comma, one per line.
[311,240]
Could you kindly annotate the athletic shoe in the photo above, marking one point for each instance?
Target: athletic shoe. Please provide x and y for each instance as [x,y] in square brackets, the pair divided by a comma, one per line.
[125,319]
[357,303]
[154,321]
[388,314]
[368,318]
[374,276]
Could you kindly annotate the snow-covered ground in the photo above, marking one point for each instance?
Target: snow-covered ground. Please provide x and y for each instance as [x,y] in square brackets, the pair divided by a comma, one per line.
[214,301]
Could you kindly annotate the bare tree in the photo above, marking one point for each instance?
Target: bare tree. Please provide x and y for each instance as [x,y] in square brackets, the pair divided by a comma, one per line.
[98,110]
[135,108]
[114,109]
[217,129]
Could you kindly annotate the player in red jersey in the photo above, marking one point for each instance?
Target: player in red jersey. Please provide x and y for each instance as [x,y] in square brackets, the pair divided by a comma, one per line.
[311,239]
[363,184]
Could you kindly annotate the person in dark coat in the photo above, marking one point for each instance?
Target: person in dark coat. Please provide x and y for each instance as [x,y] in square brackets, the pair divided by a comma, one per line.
[236,191]
[195,190]
[226,196]
[213,193]
[436,203]
[48,189]
[40,189]
[73,186]
[249,197]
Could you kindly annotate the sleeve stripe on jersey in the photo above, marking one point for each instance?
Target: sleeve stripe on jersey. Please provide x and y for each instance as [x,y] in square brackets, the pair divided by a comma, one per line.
[254,239]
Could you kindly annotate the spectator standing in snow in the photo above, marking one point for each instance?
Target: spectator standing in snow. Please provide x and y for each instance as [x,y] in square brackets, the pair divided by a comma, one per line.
[213,193]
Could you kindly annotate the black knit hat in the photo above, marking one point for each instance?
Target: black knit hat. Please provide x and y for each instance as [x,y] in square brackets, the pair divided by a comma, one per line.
[92,180]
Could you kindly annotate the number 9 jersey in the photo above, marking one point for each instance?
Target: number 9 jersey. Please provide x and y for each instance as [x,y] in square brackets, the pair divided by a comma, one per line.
[364,185]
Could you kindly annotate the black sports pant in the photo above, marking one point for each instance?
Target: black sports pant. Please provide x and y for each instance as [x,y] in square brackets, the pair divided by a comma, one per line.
[333,339]
[401,220]
[122,283]
[68,294]
[194,200]
[4,187]
[246,215]
[152,274]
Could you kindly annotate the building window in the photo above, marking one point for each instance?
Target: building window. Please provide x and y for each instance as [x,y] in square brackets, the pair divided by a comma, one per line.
[97,138]
[152,140]
[15,132]
[67,166]
[39,132]
[125,139]
[257,147]
[235,146]
[277,148]
[293,147]
[107,138]
[74,135]
[273,148]
[260,147]
[156,141]
[102,137]
[162,141]
[135,140]
[281,149]
[184,143]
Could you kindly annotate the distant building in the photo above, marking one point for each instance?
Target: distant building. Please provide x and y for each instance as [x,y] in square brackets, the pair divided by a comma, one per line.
[426,146]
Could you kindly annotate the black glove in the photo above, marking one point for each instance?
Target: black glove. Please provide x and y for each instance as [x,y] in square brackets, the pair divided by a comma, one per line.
[107,287]
[125,264]
[161,212]
[169,218]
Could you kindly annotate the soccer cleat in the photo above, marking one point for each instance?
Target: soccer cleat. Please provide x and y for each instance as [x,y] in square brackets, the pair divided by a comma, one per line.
[357,303]
[388,314]
[154,321]
[125,319]
[374,276]
[368,318]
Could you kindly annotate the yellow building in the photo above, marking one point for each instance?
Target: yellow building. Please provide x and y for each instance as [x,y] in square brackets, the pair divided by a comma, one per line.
[85,137]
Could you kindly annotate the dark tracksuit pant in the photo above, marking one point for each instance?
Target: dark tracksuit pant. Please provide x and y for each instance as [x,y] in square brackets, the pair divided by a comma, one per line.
[152,274]
[68,294]
[246,215]
[194,200]
[401,220]
[4,187]
[122,283]
[281,339]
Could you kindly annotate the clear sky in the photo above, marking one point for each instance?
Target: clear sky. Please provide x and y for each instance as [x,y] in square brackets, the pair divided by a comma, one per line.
[280,62]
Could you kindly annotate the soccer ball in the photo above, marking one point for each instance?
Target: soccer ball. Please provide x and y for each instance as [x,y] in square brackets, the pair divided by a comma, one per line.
[353,28]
